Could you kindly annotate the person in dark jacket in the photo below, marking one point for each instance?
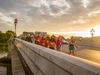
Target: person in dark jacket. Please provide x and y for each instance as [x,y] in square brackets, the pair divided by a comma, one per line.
[28,38]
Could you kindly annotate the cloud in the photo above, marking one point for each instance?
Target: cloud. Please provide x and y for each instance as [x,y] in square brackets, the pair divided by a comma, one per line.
[50,15]
[55,9]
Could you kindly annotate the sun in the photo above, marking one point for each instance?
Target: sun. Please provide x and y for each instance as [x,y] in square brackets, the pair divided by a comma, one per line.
[97,31]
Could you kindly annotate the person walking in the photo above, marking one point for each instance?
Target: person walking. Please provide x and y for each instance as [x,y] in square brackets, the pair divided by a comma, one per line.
[28,38]
[37,39]
[59,43]
[43,41]
[72,45]
[51,43]
[32,39]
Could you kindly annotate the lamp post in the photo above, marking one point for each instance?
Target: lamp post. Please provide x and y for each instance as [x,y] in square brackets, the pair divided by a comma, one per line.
[15,23]
[92,32]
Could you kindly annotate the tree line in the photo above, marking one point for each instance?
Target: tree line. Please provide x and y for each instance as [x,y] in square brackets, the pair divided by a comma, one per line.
[5,36]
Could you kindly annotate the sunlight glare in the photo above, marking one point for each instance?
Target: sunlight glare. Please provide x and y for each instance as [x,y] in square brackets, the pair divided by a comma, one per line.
[97,31]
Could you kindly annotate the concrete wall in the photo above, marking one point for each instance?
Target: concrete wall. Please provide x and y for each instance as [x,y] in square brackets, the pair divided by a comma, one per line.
[43,61]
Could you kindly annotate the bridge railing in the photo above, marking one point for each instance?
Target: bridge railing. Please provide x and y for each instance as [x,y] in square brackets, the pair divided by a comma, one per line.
[44,61]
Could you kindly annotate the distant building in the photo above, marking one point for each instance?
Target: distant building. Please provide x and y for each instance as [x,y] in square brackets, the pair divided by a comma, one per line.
[41,33]
[26,33]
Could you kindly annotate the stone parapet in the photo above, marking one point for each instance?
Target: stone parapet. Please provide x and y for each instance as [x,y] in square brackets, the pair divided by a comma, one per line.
[44,61]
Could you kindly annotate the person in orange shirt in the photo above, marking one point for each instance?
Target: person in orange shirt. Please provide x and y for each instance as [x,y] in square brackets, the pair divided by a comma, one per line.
[37,39]
[51,43]
[43,41]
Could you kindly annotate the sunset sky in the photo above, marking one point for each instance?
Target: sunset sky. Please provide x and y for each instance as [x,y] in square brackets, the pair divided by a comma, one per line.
[64,17]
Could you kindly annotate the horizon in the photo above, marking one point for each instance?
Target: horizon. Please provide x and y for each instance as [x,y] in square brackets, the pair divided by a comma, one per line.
[65,34]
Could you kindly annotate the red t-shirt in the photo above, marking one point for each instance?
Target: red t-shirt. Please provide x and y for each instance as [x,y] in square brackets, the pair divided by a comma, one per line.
[37,38]
[43,42]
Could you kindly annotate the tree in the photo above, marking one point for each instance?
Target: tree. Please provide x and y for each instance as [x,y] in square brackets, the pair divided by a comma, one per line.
[10,34]
[3,37]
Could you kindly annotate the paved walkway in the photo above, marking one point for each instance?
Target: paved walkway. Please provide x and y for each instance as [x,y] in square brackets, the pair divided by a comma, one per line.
[88,53]
[3,70]
[17,68]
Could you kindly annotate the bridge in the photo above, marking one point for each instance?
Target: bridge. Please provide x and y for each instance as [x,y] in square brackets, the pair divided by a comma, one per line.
[32,59]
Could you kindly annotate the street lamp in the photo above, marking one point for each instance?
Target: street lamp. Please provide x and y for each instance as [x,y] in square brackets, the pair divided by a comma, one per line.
[15,23]
[92,32]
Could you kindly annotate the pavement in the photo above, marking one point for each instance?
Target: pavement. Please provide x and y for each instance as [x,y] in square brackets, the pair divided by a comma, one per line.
[3,70]
[88,53]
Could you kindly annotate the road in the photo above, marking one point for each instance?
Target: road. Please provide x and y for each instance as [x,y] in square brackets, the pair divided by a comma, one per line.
[88,53]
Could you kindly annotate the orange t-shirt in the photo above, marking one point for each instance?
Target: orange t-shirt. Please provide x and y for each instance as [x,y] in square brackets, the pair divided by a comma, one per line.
[51,44]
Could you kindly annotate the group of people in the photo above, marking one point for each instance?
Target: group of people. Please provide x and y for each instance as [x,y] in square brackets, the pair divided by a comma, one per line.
[53,42]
